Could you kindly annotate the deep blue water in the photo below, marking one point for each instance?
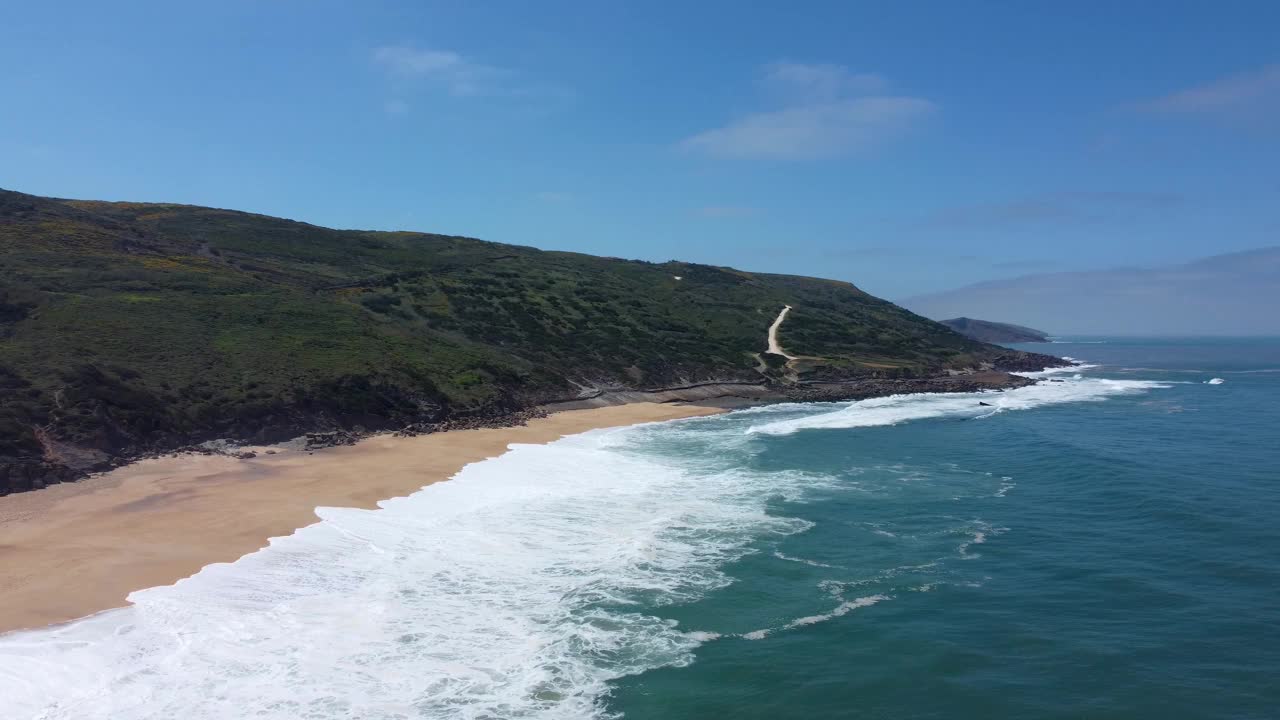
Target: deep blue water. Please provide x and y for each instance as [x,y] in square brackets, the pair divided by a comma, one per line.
[1129,567]
[1103,544]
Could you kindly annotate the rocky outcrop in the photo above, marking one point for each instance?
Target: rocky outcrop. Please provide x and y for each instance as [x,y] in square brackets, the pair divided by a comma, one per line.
[475,422]
[333,438]
[694,393]
[1026,362]
[828,391]
[20,476]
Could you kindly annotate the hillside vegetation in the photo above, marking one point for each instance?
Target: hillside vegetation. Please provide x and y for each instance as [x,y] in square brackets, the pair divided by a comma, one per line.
[128,327]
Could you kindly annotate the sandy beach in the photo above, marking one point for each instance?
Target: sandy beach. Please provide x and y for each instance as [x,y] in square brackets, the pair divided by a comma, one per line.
[75,549]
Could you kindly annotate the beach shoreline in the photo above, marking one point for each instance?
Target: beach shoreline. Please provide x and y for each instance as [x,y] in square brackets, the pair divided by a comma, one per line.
[75,549]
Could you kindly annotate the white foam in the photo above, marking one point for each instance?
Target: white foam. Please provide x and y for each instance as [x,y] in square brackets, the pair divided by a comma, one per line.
[512,591]
[1074,368]
[1006,484]
[1214,381]
[977,536]
[897,409]
[840,610]
[802,561]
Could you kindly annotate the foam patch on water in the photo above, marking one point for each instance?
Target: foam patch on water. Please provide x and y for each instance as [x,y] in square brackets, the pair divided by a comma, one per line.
[1074,369]
[513,591]
[896,409]
[840,610]
[802,561]
[1006,484]
[978,536]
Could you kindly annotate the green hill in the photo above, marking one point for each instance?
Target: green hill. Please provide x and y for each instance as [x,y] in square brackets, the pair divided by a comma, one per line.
[128,327]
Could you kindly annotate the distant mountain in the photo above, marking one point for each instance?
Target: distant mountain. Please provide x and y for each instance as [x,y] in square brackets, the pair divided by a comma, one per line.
[1232,294]
[995,332]
[127,328]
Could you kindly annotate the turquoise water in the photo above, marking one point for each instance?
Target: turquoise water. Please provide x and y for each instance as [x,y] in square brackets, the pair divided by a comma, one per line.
[1103,544]
[1128,567]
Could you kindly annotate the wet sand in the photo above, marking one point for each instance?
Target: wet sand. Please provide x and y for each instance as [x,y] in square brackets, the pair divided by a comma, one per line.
[75,549]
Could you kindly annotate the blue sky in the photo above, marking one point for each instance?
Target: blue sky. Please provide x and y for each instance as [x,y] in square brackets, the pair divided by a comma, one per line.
[905,146]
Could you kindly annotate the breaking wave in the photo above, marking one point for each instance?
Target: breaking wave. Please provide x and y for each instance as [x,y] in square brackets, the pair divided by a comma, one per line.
[516,590]
[521,589]
[897,409]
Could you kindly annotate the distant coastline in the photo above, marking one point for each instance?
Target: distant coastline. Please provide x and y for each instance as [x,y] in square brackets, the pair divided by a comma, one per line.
[996,332]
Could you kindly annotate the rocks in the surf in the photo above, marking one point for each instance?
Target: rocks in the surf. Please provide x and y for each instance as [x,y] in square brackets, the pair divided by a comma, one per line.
[879,387]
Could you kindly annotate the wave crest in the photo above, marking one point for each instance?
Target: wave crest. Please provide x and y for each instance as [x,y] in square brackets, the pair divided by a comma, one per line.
[896,409]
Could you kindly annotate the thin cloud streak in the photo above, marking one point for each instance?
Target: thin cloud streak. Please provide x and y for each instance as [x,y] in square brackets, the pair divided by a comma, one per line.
[1062,208]
[1235,93]
[1026,265]
[819,83]
[451,70]
[460,76]
[828,112]
[812,132]
[553,196]
[726,211]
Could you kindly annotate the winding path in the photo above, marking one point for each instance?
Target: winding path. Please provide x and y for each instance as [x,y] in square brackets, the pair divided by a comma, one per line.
[774,347]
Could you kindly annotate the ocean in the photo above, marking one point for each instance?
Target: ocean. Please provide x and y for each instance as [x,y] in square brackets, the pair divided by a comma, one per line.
[1104,544]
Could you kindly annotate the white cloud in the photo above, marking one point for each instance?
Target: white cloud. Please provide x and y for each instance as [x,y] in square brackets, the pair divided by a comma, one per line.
[456,73]
[1243,93]
[417,62]
[821,83]
[1059,208]
[809,132]
[827,111]
[726,211]
[553,196]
